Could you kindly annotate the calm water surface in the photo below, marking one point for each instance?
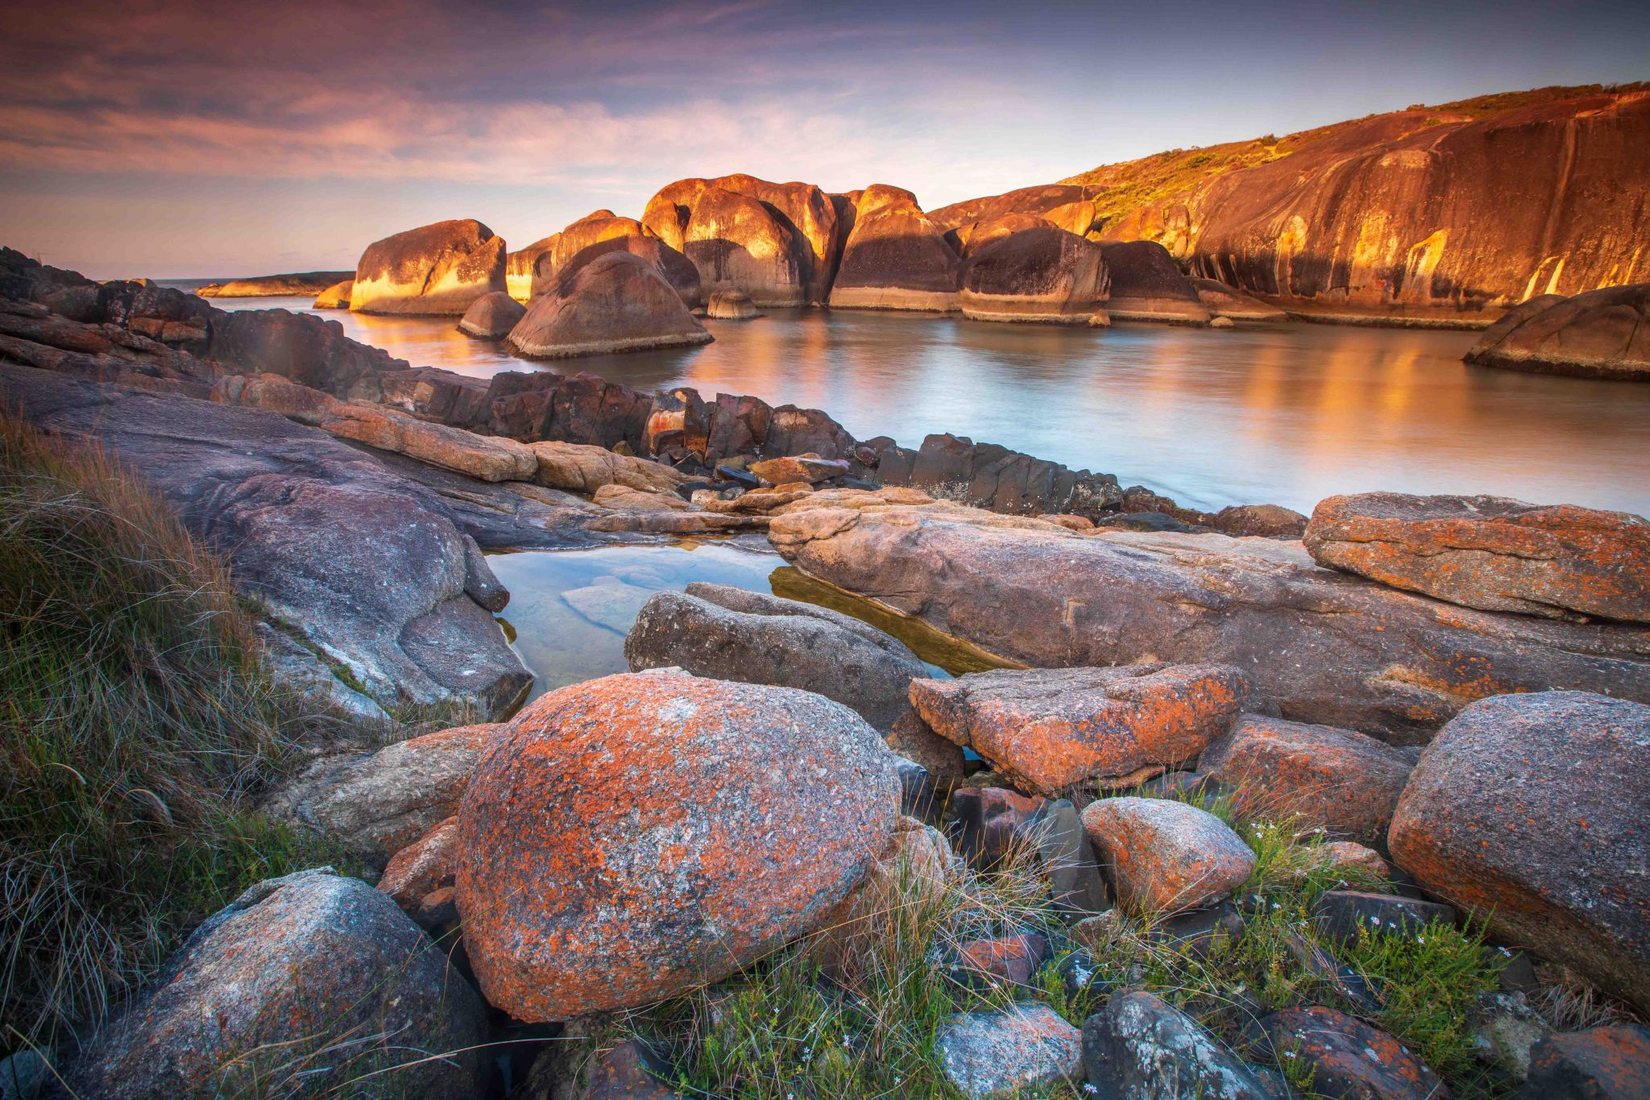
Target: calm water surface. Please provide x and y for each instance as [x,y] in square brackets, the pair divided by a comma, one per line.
[1287,413]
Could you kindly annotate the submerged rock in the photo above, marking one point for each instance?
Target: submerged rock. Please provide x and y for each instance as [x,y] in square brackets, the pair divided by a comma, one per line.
[289,968]
[1042,274]
[434,269]
[1165,856]
[1529,811]
[616,302]
[492,316]
[895,258]
[1600,334]
[1491,552]
[644,834]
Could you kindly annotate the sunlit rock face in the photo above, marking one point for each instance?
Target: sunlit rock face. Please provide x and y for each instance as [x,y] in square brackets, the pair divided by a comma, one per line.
[518,267]
[437,270]
[616,302]
[1147,285]
[599,233]
[777,242]
[1038,202]
[299,285]
[895,258]
[1042,274]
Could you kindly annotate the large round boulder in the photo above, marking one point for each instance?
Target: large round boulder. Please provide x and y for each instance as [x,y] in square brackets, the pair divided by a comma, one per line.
[1039,274]
[1147,285]
[737,243]
[643,834]
[812,219]
[313,969]
[1601,334]
[492,316]
[616,302]
[438,269]
[599,233]
[895,258]
[1530,810]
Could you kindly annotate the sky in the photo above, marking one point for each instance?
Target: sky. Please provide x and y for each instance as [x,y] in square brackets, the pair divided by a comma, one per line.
[241,137]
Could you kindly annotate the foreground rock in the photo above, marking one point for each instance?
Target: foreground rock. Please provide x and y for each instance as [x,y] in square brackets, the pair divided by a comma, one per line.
[996,1054]
[1139,1047]
[895,258]
[492,316]
[1491,552]
[305,284]
[293,965]
[1334,779]
[1048,729]
[1529,810]
[1601,1063]
[1346,1057]
[1327,647]
[730,634]
[438,269]
[1147,285]
[1041,274]
[616,302]
[639,835]
[1165,856]
[1599,334]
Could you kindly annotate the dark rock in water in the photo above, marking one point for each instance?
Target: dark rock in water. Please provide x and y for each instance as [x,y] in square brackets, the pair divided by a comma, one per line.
[1601,1063]
[1342,914]
[1140,1047]
[731,634]
[1347,1058]
[438,269]
[1147,285]
[1491,552]
[995,1053]
[492,316]
[616,302]
[558,258]
[1042,274]
[991,476]
[1327,647]
[292,965]
[588,880]
[1599,334]
[895,258]
[1519,812]
[366,566]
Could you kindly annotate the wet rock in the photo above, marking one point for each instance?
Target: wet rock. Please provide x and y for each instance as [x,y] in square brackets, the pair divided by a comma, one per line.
[1229,302]
[617,302]
[587,881]
[1601,1063]
[378,803]
[1164,856]
[1347,1058]
[1139,1047]
[1051,728]
[1326,646]
[1599,334]
[1042,274]
[731,634]
[1519,813]
[1341,915]
[434,269]
[731,305]
[292,964]
[610,604]
[895,258]
[993,1054]
[1147,285]
[335,296]
[1491,552]
[1334,779]
[491,316]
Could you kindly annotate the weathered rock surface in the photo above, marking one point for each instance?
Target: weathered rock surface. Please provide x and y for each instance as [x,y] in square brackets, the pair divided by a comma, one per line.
[434,269]
[1601,1063]
[1165,856]
[738,243]
[915,868]
[1341,914]
[422,867]
[378,803]
[803,213]
[291,965]
[1334,779]
[491,316]
[1224,301]
[305,284]
[1147,285]
[895,258]
[731,305]
[730,634]
[584,469]
[301,348]
[587,881]
[1348,1058]
[366,567]
[1528,810]
[992,476]
[1048,729]
[1139,1047]
[995,1054]
[1042,274]
[1491,552]
[335,296]
[559,257]
[1327,647]
[616,302]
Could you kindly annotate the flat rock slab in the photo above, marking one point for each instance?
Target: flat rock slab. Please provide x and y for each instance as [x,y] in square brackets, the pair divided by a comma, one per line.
[994,1054]
[1165,856]
[1048,729]
[1326,646]
[1491,552]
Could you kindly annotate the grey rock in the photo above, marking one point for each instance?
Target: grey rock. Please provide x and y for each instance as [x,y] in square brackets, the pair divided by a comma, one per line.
[23,1075]
[1601,1063]
[1341,914]
[991,1054]
[1505,1030]
[1139,1047]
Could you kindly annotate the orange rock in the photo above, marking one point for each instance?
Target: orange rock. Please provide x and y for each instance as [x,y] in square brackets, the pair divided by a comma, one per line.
[1609,1063]
[434,269]
[643,834]
[422,867]
[1165,856]
[1347,1057]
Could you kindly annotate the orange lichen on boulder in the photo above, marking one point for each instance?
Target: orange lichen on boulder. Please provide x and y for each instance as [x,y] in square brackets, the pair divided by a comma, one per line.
[1164,856]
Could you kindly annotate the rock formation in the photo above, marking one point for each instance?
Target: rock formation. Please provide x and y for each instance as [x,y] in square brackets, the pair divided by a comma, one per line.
[519,267]
[492,316]
[601,232]
[731,305]
[616,302]
[895,258]
[438,269]
[305,284]
[1223,301]
[1042,274]
[335,296]
[1600,334]
[1147,285]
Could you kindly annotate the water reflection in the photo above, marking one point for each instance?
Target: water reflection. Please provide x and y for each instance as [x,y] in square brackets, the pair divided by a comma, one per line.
[1290,413]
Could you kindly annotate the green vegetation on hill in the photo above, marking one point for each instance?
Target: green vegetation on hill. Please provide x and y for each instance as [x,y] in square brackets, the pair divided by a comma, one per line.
[137,722]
